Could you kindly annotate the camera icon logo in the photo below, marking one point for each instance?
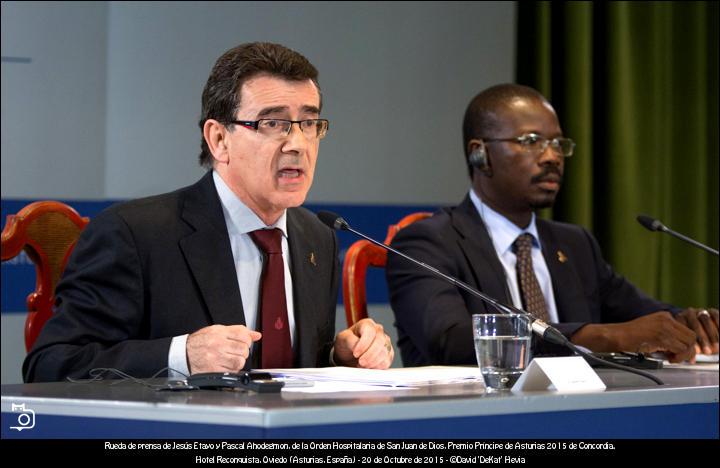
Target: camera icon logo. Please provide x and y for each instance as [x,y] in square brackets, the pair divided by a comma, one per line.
[26,417]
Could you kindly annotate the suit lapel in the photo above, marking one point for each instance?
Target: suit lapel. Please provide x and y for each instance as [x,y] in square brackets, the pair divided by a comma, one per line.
[303,272]
[477,246]
[209,255]
[569,299]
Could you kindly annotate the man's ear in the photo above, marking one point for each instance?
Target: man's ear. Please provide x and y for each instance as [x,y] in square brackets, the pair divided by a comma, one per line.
[216,135]
[478,157]
[474,144]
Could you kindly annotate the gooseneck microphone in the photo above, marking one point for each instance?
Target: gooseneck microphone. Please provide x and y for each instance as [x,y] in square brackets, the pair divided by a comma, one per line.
[540,328]
[652,224]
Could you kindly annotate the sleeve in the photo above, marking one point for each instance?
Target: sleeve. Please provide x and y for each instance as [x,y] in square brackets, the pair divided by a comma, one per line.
[610,297]
[100,319]
[430,312]
[620,300]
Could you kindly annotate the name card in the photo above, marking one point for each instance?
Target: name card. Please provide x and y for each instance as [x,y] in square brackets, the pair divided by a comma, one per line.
[561,374]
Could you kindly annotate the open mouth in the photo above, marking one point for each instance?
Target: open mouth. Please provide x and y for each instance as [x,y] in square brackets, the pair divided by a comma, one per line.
[290,173]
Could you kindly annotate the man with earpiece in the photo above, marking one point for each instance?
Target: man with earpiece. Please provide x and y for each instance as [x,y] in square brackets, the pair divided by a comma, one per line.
[493,241]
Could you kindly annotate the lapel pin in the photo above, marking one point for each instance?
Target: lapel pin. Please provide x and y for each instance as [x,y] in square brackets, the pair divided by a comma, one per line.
[562,258]
[312,259]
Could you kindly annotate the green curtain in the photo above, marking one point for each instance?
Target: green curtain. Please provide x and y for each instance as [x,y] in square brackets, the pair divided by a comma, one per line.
[635,84]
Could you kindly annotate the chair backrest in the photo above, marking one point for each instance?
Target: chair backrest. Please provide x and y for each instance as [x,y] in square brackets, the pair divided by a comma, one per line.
[47,232]
[361,255]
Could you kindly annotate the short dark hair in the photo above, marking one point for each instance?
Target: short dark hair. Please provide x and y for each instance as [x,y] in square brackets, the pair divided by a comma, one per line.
[481,115]
[221,96]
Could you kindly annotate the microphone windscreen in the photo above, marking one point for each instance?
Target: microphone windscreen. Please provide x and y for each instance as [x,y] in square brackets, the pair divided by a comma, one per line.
[649,223]
[332,220]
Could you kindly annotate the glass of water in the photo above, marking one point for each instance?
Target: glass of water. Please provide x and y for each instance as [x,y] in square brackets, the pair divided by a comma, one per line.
[502,348]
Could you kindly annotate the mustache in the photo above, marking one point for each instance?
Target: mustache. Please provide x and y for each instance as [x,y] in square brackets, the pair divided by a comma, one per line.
[547,171]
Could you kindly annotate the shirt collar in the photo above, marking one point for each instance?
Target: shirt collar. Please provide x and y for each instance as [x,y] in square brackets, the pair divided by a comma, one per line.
[503,232]
[239,218]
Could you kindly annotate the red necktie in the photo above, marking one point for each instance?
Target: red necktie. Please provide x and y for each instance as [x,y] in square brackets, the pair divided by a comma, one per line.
[532,296]
[276,350]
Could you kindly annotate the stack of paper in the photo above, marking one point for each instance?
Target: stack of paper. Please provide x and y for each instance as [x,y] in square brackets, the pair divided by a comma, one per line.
[402,377]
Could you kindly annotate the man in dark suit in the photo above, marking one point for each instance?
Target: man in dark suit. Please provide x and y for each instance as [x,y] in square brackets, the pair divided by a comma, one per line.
[228,273]
[515,153]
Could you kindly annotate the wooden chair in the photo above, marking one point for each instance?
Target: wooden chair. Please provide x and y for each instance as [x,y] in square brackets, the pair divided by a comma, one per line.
[361,255]
[47,232]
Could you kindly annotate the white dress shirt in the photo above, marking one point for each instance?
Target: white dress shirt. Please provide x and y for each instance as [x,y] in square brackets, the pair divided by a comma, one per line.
[248,259]
[503,233]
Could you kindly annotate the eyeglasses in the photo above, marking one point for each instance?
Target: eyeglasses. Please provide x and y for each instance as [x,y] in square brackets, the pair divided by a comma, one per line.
[537,144]
[280,128]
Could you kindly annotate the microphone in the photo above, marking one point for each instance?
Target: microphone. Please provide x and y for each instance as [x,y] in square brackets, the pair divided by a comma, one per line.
[540,328]
[652,224]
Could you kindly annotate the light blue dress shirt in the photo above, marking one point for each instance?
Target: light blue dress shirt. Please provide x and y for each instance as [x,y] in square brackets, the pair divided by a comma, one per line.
[503,233]
[240,221]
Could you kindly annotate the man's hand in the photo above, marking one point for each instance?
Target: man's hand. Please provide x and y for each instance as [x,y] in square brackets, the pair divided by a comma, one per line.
[656,332]
[220,348]
[365,344]
[704,322]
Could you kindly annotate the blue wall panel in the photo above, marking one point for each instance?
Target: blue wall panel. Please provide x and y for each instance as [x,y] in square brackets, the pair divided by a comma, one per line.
[18,274]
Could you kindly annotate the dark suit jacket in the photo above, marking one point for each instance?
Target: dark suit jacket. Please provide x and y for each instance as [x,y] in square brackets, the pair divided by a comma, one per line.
[434,318]
[151,269]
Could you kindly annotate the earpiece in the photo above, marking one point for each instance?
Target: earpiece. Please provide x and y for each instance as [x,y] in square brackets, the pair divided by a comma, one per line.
[478,158]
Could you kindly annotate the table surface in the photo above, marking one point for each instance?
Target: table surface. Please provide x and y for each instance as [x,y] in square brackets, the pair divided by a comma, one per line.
[126,400]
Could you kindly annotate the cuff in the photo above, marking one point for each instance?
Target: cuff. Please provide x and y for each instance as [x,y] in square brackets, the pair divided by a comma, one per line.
[332,359]
[177,358]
